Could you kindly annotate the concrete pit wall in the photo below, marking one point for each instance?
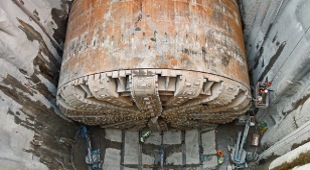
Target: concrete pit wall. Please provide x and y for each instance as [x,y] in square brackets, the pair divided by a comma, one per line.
[34,137]
[33,134]
[278,50]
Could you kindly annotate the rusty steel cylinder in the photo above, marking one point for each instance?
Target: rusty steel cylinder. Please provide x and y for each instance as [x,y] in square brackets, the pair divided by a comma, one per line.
[155,63]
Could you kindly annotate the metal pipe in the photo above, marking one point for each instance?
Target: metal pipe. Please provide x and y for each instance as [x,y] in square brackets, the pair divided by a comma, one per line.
[237,146]
[244,137]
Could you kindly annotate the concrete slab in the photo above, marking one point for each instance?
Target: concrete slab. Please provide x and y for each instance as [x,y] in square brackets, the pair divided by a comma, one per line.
[147,159]
[112,159]
[131,148]
[113,135]
[172,137]
[154,138]
[192,146]
[211,163]
[174,159]
[208,142]
[125,168]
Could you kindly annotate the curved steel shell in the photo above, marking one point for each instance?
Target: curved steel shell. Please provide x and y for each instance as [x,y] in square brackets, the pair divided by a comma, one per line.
[172,63]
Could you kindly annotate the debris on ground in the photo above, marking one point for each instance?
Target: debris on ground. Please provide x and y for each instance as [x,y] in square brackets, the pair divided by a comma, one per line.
[145,135]
[220,153]
[148,167]
[262,127]
[221,159]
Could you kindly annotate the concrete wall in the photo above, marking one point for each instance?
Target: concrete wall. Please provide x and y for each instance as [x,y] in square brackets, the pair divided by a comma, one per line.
[33,134]
[294,158]
[278,50]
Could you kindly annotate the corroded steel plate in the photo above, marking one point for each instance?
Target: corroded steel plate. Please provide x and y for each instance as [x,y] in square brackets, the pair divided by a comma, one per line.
[156,63]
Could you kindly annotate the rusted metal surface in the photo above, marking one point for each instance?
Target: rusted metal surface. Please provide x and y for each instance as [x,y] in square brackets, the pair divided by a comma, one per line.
[133,63]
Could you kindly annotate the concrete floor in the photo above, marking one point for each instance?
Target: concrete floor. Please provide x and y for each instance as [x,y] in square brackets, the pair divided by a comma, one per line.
[227,134]
[181,149]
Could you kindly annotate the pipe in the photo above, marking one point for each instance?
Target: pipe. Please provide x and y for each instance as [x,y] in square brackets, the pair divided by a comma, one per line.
[237,146]
[244,137]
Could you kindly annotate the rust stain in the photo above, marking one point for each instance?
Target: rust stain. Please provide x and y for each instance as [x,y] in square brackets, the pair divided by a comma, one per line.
[174,62]
[184,58]
[115,38]
[163,28]
[169,57]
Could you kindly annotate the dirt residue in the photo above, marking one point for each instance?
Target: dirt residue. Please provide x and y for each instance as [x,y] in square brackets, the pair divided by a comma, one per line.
[273,59]
[60,17]
[296,145]
[48,127]
[53,136]
[304,158]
